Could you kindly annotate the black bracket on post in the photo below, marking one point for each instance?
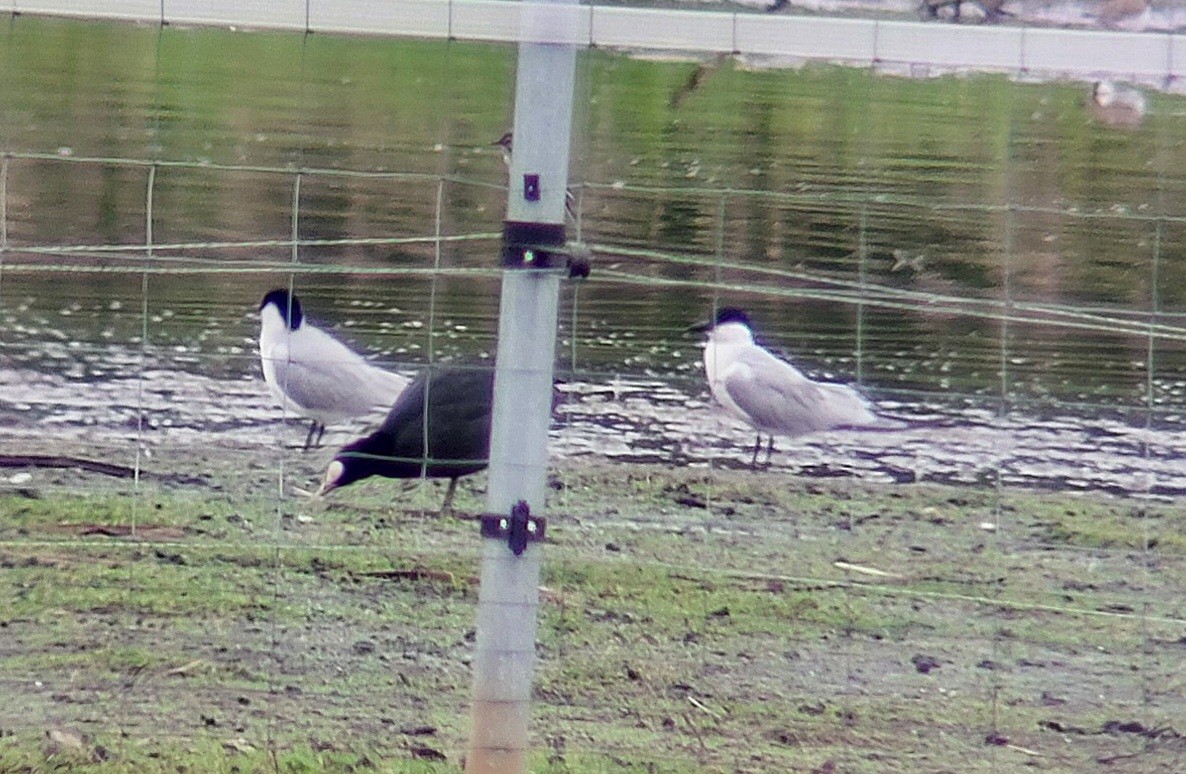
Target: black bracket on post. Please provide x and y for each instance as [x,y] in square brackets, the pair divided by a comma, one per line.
[519,529]
[542,246]
[531,245]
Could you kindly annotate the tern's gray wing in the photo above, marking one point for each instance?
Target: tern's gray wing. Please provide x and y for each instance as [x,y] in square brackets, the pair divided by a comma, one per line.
[779,399]
[332,383]
[320,388]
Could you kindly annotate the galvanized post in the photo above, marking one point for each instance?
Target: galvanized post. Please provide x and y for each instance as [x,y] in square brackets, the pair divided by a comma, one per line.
[533,241]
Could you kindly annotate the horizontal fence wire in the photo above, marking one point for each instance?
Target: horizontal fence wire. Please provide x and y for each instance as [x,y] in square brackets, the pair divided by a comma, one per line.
[775,278]
[812,582]
[668,554]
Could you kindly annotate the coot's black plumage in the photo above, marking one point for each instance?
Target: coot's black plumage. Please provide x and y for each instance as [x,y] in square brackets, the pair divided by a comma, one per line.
[459,404]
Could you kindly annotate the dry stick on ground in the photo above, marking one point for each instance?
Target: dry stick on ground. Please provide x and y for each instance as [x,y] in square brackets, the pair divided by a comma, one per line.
[91,466]
[414,574]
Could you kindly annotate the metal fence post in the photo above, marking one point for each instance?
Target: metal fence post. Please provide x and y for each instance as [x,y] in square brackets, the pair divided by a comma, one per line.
[533,242]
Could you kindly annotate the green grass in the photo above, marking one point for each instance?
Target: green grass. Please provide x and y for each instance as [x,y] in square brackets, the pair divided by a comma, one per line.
[777,629]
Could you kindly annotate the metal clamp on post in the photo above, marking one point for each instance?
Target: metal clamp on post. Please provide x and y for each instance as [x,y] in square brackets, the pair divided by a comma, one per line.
[580,260]
[532,245]
[519,529]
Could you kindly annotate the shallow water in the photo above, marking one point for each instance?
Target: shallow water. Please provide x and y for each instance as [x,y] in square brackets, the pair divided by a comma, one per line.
[971,250]
[628,420]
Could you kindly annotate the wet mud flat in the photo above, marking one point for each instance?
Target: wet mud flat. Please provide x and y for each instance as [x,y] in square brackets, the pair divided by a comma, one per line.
[672,423]
[694,617]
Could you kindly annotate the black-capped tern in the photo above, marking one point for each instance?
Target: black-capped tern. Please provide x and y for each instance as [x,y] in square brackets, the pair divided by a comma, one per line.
[312,374]
[769,394]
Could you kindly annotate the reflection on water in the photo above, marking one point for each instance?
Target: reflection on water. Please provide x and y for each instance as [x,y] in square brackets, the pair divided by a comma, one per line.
[880,229]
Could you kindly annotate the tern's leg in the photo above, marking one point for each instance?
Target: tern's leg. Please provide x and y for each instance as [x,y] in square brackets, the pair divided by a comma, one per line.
[753,463]
[447,507]
[316,431]
[769,450]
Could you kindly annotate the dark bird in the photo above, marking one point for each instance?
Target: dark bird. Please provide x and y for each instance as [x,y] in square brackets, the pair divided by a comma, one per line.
[457,404]
[769,394]
[507,144]
[312,374]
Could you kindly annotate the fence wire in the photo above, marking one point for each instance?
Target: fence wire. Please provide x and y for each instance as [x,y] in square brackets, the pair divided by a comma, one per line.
[997,586]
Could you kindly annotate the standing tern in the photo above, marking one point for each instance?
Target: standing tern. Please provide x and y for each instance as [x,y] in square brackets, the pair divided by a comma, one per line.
[458,411]
[312,374]
[769,394]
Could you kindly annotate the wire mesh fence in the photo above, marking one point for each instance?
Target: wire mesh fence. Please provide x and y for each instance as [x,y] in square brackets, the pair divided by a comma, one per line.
[994,586]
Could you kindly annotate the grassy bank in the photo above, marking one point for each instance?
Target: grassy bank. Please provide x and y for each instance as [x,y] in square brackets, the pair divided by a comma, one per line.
[690,621]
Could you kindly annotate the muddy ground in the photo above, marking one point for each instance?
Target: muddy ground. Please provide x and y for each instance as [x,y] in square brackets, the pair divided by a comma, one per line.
[692,619]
